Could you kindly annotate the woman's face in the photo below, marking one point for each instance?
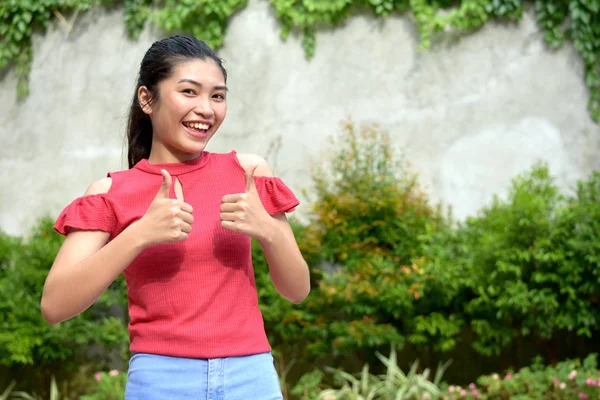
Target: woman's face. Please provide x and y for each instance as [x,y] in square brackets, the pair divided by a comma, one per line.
[191,106]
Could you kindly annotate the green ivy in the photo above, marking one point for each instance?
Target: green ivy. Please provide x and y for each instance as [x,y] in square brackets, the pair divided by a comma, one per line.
[559,20]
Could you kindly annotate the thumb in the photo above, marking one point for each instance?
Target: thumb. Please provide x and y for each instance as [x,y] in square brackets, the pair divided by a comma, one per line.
[165,187]
[250,185]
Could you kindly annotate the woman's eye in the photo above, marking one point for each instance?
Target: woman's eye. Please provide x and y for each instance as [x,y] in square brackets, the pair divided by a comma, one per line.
[219,96]
[189,91]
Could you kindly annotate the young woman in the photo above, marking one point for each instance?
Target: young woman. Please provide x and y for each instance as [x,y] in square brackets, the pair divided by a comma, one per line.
[178,224]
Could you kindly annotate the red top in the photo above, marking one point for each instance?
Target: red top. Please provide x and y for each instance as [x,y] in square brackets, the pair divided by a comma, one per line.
[196,298]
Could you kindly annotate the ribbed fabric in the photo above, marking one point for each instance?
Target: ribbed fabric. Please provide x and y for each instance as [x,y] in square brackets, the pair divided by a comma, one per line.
[195,298]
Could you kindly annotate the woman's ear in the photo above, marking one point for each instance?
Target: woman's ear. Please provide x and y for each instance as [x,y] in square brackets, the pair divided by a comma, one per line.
[145,98]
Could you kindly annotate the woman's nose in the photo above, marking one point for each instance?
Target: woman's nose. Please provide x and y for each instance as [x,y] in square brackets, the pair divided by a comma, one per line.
[204,109]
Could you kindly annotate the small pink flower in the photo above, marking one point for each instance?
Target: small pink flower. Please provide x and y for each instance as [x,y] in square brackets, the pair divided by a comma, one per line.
[445,398]
[426,396]
[451,389]
[555,381]
[98,376]
[572,375]
[590,381]
[463,393]
[476,394]
[113,372]
[562,385]
[508,377]
[583,396]
[495,377]
[472,386]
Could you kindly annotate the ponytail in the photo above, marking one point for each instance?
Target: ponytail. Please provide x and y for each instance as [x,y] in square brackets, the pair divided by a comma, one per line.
[139,133]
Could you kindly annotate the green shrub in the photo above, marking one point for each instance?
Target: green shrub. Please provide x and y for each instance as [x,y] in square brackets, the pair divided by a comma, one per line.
[30,347]
[369,216]
[110,386]
[571,379]
[393,384]
[389,268]
[366,201]
[525,266]
[25,338]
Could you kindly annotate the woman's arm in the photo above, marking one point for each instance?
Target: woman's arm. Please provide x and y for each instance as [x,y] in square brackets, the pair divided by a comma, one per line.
[86,265]
[289,272]
[83,269]
[287,267]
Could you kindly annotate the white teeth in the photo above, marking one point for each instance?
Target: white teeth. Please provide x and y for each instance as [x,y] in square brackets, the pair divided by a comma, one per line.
[196,125]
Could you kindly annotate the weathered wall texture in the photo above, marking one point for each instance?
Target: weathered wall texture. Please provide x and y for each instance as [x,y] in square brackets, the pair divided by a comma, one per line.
[469,113]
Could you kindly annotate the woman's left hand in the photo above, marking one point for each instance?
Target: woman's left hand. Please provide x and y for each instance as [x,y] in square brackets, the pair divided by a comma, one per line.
[244,212]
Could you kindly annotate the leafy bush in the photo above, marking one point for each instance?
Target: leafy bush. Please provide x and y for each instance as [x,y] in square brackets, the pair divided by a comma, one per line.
[369,216]
[110,386]
[526,266]
[366,201]
[388,268]
[394,384]
[53,394]
[26,339]
[571,379]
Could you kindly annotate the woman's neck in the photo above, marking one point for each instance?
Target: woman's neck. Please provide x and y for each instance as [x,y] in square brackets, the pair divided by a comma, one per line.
[161,155]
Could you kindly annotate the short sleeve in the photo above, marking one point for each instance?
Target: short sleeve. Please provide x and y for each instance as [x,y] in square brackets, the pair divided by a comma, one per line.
[90,212]
[275,196]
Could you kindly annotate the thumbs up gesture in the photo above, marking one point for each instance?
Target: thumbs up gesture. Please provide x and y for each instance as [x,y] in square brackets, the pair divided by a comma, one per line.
[166,220]
[244,212]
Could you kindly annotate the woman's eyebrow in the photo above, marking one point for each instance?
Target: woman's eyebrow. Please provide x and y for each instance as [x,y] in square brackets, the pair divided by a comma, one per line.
[193,82]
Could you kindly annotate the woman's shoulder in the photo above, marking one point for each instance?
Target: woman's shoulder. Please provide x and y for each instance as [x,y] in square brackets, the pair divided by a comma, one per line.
[101,186]
[249,160]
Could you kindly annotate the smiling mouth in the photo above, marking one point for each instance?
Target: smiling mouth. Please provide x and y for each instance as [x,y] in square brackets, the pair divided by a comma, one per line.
[197,127]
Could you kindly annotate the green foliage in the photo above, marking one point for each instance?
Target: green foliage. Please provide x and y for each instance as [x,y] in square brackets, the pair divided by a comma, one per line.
[7,391]
[525,266]
[53,394]
[25,338]
[389,269]
[206,20]
[309,385]
[570,379]
[18,20]
[366,201]
[110,386]
[368,216]
[576,20]
[394,384]
[559,20]
[136,13]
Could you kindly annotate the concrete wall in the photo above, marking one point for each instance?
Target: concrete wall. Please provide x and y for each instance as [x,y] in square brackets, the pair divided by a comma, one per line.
[469,113]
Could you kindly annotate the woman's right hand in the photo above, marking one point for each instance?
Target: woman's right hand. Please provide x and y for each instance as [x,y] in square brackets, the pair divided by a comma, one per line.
[167,220]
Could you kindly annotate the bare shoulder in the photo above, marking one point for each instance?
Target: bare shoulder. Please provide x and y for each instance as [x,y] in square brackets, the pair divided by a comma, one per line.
[249,160]
[100,186]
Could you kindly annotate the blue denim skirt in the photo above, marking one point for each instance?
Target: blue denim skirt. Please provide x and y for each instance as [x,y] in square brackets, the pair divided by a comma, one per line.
[154,377]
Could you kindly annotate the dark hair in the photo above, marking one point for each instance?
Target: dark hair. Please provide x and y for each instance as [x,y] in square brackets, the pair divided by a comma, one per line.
[158,64]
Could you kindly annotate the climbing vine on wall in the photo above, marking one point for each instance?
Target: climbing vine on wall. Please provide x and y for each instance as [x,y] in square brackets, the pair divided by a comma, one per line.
[577,21]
